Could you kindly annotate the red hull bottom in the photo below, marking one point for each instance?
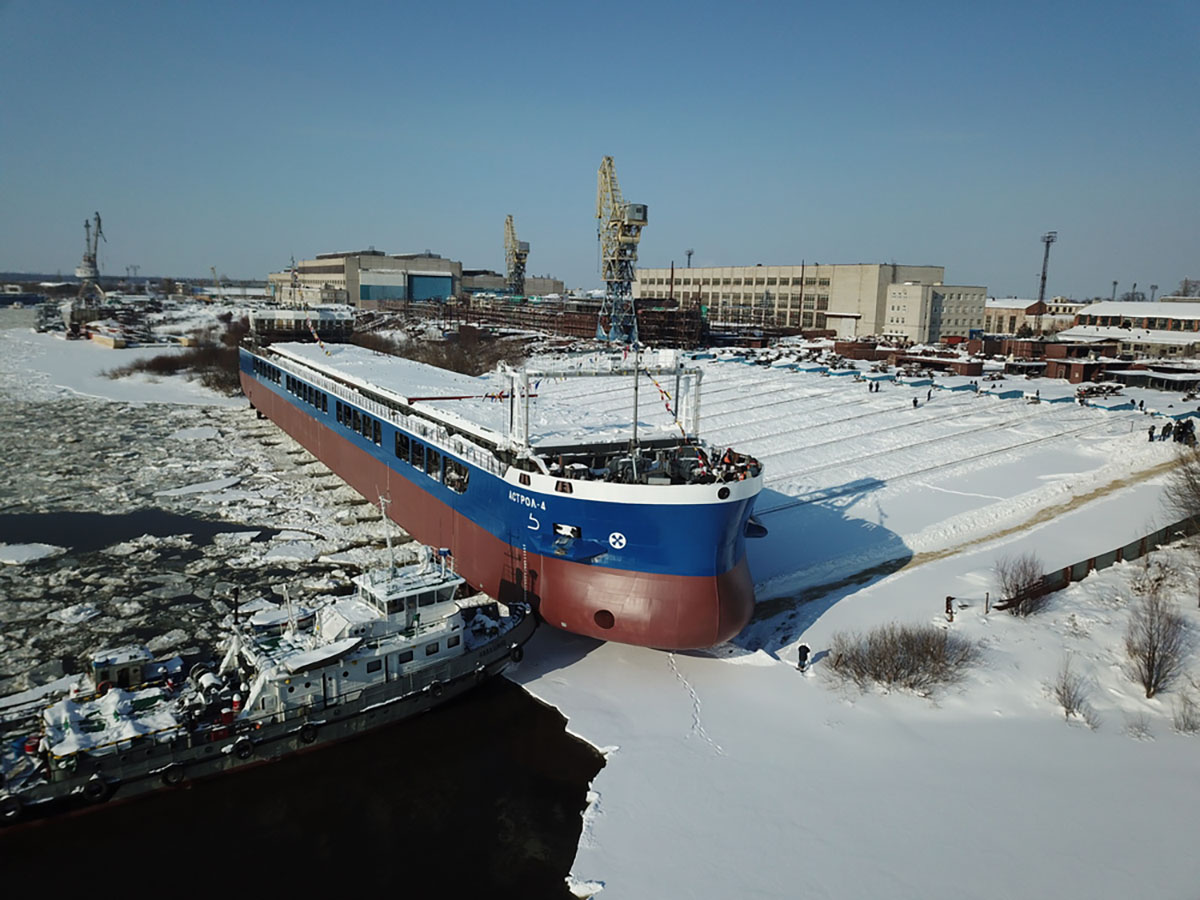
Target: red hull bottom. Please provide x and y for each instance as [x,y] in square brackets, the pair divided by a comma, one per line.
[670,612]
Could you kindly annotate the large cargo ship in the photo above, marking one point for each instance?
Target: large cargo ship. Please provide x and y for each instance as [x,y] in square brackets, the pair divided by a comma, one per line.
[637,538]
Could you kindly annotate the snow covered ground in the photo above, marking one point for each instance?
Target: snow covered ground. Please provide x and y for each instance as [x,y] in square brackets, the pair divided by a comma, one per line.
[729,773]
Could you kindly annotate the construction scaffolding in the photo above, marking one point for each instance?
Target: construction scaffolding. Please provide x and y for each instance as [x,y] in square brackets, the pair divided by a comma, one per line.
[661,323]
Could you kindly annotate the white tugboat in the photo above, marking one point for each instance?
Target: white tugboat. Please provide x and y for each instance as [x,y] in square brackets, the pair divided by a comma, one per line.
[289,678]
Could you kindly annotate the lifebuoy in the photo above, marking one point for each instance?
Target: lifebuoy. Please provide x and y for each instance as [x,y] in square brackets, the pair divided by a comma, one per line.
[516,653]
[435,688]
[96,789]
[243,748]
[102,688]
[308,733]
[10,809]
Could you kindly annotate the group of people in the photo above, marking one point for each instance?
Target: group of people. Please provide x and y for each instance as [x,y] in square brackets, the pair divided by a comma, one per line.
[1181,432]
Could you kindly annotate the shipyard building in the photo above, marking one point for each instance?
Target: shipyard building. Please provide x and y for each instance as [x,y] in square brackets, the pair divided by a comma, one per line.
[367,279]
[485,281]
[901,302]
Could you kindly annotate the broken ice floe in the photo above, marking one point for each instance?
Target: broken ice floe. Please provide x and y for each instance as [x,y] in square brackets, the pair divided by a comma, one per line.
[199,433]
[203,487]
[20,554]
[74,615]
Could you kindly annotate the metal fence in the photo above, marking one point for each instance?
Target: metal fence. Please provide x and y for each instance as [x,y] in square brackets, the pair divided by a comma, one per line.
[1060,578]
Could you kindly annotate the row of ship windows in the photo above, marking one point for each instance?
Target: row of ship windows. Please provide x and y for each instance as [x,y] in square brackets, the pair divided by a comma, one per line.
[269,372]
[309,394]
[738,281]
[454,475]
[782,300]
[374,665]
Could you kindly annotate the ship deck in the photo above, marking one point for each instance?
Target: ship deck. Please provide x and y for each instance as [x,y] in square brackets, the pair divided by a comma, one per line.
[563,412]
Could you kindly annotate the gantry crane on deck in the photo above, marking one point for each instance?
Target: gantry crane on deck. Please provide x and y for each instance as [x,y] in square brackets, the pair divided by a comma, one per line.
[619,228]
[515,254]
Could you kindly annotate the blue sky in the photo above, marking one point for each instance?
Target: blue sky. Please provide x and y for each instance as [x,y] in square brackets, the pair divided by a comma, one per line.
[237,135]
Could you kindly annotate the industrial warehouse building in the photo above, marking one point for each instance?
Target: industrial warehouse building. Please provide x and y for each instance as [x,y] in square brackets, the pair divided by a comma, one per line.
[367,279]
[902,302]
[1009,315]
[481,281]
[1163,329]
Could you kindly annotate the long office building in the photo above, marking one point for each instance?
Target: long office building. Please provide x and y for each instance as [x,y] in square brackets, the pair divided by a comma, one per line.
[881,299]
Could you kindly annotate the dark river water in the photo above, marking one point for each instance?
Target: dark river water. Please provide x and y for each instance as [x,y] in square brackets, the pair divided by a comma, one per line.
[85,532]
[481,797]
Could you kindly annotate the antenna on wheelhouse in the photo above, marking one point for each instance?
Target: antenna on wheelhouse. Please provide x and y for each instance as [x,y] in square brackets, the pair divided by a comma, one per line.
[291,611]
[387,534]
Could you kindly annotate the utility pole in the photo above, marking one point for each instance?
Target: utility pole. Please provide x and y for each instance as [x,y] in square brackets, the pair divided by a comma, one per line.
[1133,293]
[689,256]
[1114,293]
[1153,291]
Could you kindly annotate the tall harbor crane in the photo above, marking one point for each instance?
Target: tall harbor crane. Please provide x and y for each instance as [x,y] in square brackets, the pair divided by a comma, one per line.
[216,284]
[515,254]
[619,228]
[89,269]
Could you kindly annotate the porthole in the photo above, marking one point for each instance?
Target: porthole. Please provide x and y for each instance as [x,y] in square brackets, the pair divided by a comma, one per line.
[604,618]
[723,494]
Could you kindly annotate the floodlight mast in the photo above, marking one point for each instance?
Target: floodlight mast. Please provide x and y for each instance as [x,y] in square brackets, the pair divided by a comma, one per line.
[1048,238]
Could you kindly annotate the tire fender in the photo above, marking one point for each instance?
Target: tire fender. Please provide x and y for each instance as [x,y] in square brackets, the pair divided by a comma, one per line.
[96,789]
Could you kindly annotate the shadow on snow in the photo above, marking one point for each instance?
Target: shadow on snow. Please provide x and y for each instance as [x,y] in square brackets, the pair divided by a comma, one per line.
[813,556]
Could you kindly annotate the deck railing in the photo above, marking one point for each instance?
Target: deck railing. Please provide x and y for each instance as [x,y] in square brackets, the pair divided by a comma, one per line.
[430,432]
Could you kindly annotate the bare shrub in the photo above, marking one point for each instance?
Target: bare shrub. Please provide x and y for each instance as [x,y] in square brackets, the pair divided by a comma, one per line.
[1071,691]
[1151,578]
[1137,726]
[1181,492]
[1185,716]
[917,657]
[1157,642]
[214,360]
[1019,579]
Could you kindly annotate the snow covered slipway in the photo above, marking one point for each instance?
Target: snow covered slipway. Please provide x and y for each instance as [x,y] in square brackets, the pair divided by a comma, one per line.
[729,773]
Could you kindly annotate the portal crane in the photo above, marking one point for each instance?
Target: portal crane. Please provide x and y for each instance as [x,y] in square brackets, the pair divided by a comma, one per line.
[619,228]
[515,254]
[89,269]
[217,284]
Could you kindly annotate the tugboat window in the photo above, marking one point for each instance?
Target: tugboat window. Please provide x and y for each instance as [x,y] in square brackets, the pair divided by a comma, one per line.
[431,649]
[427,599]
[406,656]
[452,641]
[375,665]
